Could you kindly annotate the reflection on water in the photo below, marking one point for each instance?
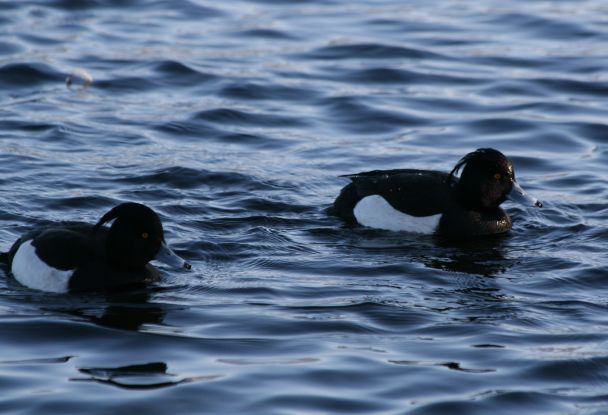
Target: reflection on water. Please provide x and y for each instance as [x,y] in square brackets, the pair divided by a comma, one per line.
[137,377]
[127,311]
[483,256]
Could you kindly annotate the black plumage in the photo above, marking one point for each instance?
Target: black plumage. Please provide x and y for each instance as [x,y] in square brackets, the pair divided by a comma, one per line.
[469,205]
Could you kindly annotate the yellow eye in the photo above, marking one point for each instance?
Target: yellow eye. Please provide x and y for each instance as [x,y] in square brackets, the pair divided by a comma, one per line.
[145,235]
[498,176]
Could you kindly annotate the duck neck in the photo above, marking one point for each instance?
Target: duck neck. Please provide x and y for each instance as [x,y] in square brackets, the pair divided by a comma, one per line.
[473,198]
[119,253]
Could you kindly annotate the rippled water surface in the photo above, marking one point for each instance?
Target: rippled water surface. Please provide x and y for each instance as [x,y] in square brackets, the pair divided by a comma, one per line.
[234,120]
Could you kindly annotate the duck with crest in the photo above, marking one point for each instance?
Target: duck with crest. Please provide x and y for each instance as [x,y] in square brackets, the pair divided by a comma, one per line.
[80,257]
[429,201]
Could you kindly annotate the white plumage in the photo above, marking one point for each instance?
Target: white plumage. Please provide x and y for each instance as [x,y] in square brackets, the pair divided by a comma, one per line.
[375,212]
[32,272]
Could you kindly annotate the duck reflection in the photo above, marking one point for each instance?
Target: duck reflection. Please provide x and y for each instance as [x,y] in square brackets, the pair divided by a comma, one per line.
[145,376]
[480,256]
[128,310]
[477,257]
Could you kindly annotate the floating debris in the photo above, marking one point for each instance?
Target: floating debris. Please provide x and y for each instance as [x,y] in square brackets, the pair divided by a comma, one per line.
[77,75]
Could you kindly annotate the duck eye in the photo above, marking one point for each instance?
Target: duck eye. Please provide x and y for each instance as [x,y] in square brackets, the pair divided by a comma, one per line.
[145,235]
[498,176]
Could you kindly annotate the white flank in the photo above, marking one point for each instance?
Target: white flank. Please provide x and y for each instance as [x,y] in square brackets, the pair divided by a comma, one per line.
[32,272]
[375,212]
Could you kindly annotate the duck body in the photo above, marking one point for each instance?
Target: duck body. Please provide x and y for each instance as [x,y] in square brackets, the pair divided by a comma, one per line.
[429,201]
[75,257]
[70,258]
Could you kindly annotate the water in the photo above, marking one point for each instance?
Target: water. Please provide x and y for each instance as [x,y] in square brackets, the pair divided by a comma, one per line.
[233,121]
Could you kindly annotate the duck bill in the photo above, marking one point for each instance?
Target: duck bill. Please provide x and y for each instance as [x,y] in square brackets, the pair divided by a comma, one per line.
[168,257]
[518,194]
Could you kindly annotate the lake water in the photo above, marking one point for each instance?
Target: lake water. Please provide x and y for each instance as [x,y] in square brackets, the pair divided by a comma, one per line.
[233,120]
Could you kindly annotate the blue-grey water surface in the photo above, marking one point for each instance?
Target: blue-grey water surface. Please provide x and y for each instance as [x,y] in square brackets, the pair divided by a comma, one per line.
[234,120]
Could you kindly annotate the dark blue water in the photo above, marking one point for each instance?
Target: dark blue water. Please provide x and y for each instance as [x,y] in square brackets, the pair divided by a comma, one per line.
[233,121]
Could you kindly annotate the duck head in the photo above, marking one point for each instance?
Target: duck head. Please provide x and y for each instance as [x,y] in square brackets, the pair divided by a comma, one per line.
[487,180]
[136,237]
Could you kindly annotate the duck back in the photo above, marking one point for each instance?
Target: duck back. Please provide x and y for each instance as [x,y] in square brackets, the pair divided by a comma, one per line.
[414,192]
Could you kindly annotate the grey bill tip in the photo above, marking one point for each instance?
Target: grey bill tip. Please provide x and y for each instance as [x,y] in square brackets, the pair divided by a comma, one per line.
[167,256]
[518,194]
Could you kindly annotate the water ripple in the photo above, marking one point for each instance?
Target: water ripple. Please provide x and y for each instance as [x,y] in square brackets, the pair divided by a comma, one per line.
[234,121]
